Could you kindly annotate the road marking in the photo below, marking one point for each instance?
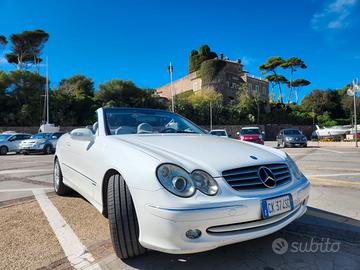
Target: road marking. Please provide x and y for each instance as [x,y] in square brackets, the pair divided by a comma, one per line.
[23,189]
[24,171]
[74,250]
[331,181]
[328,150]
[333,174]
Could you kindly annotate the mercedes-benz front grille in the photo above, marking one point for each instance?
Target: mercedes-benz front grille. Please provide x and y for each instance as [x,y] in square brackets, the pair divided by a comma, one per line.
[247,178]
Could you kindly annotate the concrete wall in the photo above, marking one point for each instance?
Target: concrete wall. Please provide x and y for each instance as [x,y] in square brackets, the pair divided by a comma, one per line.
[181,85]
[271,130]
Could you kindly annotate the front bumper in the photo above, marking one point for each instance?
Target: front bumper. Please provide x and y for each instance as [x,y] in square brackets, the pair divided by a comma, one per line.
[164,229]
[296,143]
[31,148]
[258,141]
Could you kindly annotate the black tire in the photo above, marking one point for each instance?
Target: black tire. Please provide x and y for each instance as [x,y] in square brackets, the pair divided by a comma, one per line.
[3,150]
[59,187]
[283,144]
[47,149]
[124,227]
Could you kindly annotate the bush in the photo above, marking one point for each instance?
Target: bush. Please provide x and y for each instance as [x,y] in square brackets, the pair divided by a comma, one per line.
[210,69]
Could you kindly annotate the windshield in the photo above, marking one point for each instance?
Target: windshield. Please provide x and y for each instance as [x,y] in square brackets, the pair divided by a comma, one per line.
[292,132]
[144,121]
[41,136]
[250,131]
[218,133]
[4,137]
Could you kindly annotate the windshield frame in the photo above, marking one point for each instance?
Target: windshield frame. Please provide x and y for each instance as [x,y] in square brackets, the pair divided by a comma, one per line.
[292,132]
[258,131]
[146,111]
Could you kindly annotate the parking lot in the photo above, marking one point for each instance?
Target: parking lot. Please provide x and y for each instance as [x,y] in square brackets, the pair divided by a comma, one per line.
[28,241]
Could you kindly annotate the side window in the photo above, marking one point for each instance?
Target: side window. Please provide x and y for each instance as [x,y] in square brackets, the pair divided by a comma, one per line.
[12,138]
[26,137]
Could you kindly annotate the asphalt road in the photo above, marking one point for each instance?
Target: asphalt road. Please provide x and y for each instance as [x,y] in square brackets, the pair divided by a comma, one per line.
[327,237]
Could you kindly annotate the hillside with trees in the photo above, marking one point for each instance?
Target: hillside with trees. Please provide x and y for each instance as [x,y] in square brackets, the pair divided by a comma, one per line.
[74,100]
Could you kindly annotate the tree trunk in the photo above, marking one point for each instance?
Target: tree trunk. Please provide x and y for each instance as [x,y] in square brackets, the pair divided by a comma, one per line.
[291,87]
[280,92]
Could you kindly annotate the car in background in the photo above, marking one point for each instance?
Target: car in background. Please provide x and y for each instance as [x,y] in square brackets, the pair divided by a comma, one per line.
[41,143]
[219,132]
[10,142]
[292,137]
[251,134]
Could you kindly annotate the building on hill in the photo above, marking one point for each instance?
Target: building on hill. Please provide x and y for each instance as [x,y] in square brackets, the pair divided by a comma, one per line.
[222,75]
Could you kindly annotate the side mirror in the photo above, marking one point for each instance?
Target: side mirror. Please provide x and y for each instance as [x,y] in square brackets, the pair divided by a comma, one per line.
[82,134]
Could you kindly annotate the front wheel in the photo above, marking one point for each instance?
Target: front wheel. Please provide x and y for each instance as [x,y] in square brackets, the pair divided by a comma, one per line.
[124,227]
[48,149]
[59,186]
[3,150]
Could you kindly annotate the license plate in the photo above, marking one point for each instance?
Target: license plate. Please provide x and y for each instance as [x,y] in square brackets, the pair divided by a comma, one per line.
[276,206]
[297,144]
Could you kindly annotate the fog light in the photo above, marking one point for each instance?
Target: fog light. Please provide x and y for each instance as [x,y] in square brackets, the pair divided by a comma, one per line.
[193,234]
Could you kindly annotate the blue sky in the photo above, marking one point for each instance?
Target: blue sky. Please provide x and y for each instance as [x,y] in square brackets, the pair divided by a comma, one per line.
[137,39]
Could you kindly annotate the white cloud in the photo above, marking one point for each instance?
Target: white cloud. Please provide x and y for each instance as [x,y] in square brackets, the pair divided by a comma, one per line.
[334,15]
[245,60]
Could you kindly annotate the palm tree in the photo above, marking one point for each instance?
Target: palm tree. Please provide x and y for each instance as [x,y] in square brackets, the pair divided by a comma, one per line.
[298,83]
[271,65]
[292,63]
[277,79]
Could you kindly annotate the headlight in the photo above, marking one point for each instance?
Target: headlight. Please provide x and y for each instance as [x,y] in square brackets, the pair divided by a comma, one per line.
[293,167]
[179,182]
[176,180]
[204,182]
[288,138]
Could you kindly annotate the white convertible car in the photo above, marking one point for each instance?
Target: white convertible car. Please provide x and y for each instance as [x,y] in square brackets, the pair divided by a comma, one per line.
[164,184]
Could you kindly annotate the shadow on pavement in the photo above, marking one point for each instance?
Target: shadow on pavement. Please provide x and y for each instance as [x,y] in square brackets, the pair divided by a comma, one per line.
[312,230]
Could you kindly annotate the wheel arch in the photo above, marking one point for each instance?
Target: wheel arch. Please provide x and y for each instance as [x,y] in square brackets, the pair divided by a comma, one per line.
[104,189]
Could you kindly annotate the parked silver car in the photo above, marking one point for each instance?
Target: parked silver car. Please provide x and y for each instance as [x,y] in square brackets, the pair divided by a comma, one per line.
[291,137]
[10,142]
[41,143]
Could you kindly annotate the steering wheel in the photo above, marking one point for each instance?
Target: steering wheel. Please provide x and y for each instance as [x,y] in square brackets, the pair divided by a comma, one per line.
[168,130]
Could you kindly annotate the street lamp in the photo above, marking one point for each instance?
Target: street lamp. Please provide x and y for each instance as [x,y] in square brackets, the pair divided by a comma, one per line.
[355,87]
[170,70]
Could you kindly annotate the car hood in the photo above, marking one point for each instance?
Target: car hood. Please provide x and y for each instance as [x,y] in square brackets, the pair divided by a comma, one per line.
[295,136]
[211,153]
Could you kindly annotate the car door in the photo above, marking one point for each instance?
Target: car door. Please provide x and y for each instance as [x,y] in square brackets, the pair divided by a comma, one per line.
[54,138]
[81,162]
[14,142]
